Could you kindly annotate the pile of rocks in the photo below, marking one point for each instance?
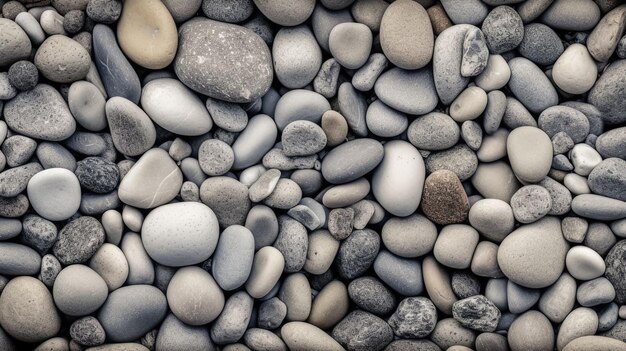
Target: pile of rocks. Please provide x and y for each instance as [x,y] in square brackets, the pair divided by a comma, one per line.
[312,175]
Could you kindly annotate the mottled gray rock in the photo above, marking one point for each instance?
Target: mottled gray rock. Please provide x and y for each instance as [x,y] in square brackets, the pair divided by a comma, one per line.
[271,313]
[434,131]
[97,174]
[475,53]
[477,312]
[610,144]
[540,44]
[564,119]
[326,81]
[357,253]
[615,271]
[38,233]
[14,181]
[245,72]
[79,240]
[607,94]
[459,159]
[23,75]
[15,43]
[447,60]
[465,285]
[228,198]
[530,203]
[87,331]
[292,242]
[609,179]
[18,149]
[414,318]
[352,105]
[371,295]
[302,138]
[233,320]
[503,29]
[531,86]
[62,60]
[360,330]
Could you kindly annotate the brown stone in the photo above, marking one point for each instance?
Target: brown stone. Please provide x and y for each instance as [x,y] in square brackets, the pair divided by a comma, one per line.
[444,200]
[335,127]
[439,18]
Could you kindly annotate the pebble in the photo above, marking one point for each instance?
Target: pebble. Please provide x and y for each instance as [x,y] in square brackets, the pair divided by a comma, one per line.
[606,95]
[303,138]
[27,311]
[533,256]
[449,332]
[434,131]
[87,331]
[575,71]
[495,180]
[470,12]
[607,178]
[233,257]
[87,105]
[404,20]
[174,333]
[194,296]
[604,38]
[477,313]
[180,234]
[384,121]
[245,72]
[584,263]
[411,92]
[531,203]
[286,195]
[18,259]
[267,267]
[37,232]
[609,143]
[15,43]
[226,115]
[531,330]
[62,60]
[215,157]
[493,147]
[541,44]
[111,264]
[569,16]
[168,103]
[350,44]
[23,75]
[615,272]
[521,299]
[352,160]
[531,86]
[54,193]
[323,20]
[594,343]
[469,105]
[448,249]
[415,317]
[564,119]
[357,253]
[503,29]
[398,192]
[495,75]
[118,76]
[131,311]
[475,53]
[411,236]
[595,292]
[316,339]
[254,142]
[300,104]
[366,76]
[297,56]
[78,290]
[153,181]
[286,13]
[97,174]
[401,274]
[444,200]
[131,129]
[361,329]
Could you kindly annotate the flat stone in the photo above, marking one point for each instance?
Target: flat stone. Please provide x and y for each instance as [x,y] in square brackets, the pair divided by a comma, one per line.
[610,143]
[495,180]
[254,142]
[531,86]
[365,77]
[540,44]
[40,113]
[580,15]
[132,130]
[449,332]
[560,195]
[564,119]
[326,81]
[459,159]
[352,160]
[533,256]
[353,106]
[447,62]
[594,343]
[434,131]
[15,180]
[233,257]
[246,72]
[595,292]
[384,121]
[62,59]
[18,259]
[401,274]
[38,233]
[153,181]
[175,107]
[406,35]
[410,236]
[496,75]
[111,264]
[469,105]
[227,115]
[79,240]
[598,207]
[292,243]
[323,20]
[286,195]
[615,272]
[411,92]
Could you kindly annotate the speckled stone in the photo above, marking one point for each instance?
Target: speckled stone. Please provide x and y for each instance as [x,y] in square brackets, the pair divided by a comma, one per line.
[444,201]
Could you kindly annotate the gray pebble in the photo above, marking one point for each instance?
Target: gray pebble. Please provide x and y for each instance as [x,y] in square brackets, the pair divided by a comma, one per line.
[286,195]
[434,131]
[403,275]
[276,158]
[16,44]
[541,44]
[50,268]
[366,76]
[352,105]
[18,149]
[411,92]
[606,94]
[271,313]
[324,20]
[23,75]
[564,119]
[384,121]
[340,222]
[578,15]
[609,178]
[15,180]
[79,240]
[530,203]
[232,11]
[97,174]
[263,224]
[302,138]
[607,316]
[13,207]
[215,157]
[465,285]
[309,180]
[87,331]
[233,320]
[86,143]
[17,259]
[10,228]
[521,299]
[371,295]
[38,233]
[292,242]
[472,134]
[516,115]
[174,334]
[475,53]
[232,260]
[264,186]
[296,56]
[362,330]
[228,198]
[496,105]
[326,81]
[464,11]
[357,253]
[477,312]
[351,160]
[226,115]
[615,271]
[561,143]
[595,292]
[414,318]
[559,194]
[459,159]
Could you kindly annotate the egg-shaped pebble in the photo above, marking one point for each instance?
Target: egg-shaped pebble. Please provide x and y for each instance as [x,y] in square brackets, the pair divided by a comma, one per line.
[232,261]
[78,290]
[267,267]
[194,296]
[530,153]
[54,193]
[583,263]
[575,71]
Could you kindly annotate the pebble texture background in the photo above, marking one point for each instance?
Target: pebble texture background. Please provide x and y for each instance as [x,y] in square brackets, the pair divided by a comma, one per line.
[307,175]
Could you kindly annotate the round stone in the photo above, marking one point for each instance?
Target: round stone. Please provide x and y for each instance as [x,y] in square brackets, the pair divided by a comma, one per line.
[399,192]
[607,178]
[401,274]
[15,43]
[606,94]
[27,311]
[503,29]
[54,193]
[180,234]
[531,86]
[131,311]
[215,157]
[583,263]
[531,203]
[255,141]
[111,264]
[78,290]
[245,72]
[87,105]
[530,153]
[531,330]
[577,15]
[18,259]
[132,130]
[444,200]
[533,256]
[414,318]
[406,35]
[87,331]
[79,240]
[564,119]
[411,92]
[286,12]
[434,131]
[496,75]
[303,138]
[411,236]
[62,59]
[455,246]
[147,33]
[541,44]
[371,295]
[575,71]
[316,338]
[23,75]
[267,268]
[361,329]
[97,174]
[609,144]
[228,199]
[384,121]
[469,105]
[297,56]
[194,296]
[168,103]
[226,115]
[350,44]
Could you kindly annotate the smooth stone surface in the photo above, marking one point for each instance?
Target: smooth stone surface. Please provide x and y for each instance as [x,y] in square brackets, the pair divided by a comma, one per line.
[118,76]
[267,267]
[444,200]
[16,44]
[194,296]
[226,115]
[447,62]
[469,105]
[180,234]
[575,71]
[411,236]
[384,121]
[111,264]
[24,113]
[470,12]
[609,179]
[176,335]
[78,290]
[531,330]
[595,343]
[27,311]
[254,142]
[245,72]
[604,38]
[531,86]
[434,131]
[610,143]
[330,305]
[398,192]
[131,311]
[86,103]
[300,104]
[152,181]
[18,259]
[406,36]
[228,198]
[233,257]
[54,193]
[175,107]
[607,95]
[316,338]
[449,332]
[411,92]
[578,15]
[495,180]
[564,119]
[455,246]
[350,44]
[286,13]
[584,263]
[533,256]
[598,207]
[132,130]
[401,274]
[540,44]
[496,75]
[147,33]
[296,56]
[352,160]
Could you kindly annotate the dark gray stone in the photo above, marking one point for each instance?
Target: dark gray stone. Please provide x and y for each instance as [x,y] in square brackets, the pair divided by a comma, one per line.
[541,44]
[23,75]
[608,178]
[104,11]
[13,207]
[340,222]
[465,285]
[232,11]
[608,94]
[18,149]
[360,330]
[271,313]
[79,240]
[87,331]
[38,233]
[503,29]
[371,295]
[477,312]
[357,253]
[90,144]
[414,318]
[595,292]
[352,160]
[616,270]
[14,180]
[97,174]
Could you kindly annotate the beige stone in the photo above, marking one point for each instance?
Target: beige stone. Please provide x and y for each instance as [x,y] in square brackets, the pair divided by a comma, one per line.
[438,285]
[267,267]
[306,337]
[330,305]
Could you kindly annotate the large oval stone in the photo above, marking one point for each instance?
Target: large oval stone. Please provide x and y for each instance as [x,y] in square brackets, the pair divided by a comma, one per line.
[534,255]
[398,181]
[173,106]
[352,160]
[233,257]
[224,61]
[530,153]
[40,113]
[131,311]
[180,234]
[609,95]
